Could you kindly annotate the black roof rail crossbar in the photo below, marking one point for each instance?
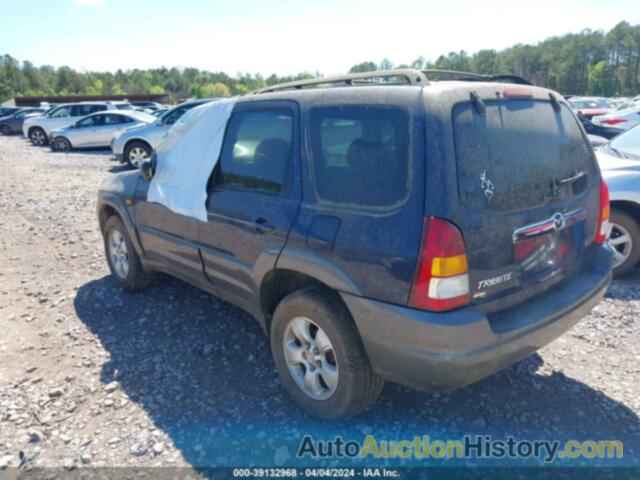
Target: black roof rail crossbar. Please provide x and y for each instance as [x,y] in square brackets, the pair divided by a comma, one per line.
[409,76]
[471,77]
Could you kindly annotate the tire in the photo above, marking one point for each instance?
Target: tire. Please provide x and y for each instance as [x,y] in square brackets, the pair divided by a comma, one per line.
[625,241]
[115,236]
[136,152]
[5,130]
[61,144]
[38,137]
[351,385]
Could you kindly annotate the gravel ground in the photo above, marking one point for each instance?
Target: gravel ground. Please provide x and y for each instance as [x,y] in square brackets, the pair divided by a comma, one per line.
[170,376]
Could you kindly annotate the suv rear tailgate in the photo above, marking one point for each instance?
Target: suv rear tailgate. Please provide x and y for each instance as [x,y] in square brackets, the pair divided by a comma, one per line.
[524,190]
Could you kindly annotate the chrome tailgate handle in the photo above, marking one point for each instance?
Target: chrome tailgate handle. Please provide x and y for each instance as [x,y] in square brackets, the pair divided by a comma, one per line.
[558,221]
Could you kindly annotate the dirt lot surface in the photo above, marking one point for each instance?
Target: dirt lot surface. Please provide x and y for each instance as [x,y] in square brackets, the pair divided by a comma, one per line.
[170,376]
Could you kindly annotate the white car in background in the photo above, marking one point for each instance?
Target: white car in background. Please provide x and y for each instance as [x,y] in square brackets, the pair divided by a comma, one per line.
[134,145]
[97,129]
[620,165]
[623,119]
[37,129]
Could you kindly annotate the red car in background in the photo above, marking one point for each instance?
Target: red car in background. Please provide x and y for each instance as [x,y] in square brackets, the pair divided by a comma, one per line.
[591,107]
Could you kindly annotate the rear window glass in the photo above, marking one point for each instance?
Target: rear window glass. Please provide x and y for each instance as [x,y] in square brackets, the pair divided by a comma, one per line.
[518,154]
[360,154]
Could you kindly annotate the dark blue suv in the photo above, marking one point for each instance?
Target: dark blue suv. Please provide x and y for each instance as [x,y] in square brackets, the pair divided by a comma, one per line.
[385,227]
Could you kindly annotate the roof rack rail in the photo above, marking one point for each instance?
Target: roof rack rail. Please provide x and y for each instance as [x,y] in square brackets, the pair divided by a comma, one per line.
[403,76]
[473,77]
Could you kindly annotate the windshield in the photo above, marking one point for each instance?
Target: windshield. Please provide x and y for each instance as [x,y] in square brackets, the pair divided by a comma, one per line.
[628,143]
[143,117]
[596,103]
[170,117]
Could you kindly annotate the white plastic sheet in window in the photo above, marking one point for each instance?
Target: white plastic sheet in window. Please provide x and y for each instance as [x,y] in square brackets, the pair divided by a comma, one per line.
[186,157]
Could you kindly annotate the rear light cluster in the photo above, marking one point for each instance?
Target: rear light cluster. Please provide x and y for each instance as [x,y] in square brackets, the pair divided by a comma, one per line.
[613,121]
[442,280]
[603,218]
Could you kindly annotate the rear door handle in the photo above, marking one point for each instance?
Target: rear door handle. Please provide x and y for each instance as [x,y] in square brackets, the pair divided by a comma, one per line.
[261,221]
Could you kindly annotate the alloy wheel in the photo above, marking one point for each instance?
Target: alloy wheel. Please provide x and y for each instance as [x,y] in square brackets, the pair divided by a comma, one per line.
[62,145]
[137,155]
[621,243]
[118,254]
[38,138]
[310,358]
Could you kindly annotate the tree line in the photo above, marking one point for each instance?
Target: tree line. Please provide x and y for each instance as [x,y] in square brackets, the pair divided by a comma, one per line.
[585,63]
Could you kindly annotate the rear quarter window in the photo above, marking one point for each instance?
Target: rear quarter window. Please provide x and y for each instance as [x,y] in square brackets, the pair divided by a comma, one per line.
[516,155]
[360,155]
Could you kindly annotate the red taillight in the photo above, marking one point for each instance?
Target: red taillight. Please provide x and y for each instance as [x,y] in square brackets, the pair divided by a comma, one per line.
[613,121]
[441,281]
[603,217]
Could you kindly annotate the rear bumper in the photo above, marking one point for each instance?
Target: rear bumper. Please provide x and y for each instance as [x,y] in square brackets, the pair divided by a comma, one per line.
[444,351]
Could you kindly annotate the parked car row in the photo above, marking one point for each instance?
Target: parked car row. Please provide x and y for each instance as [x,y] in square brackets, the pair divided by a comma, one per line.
[96,129]
[131,129]
[133,145]
[12,119]
[39,128]
[618,114]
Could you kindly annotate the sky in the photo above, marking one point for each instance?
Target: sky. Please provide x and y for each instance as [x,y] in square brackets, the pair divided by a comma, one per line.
[282,36]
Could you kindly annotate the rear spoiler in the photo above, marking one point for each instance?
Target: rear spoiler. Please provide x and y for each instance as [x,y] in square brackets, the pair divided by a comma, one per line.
[475,77]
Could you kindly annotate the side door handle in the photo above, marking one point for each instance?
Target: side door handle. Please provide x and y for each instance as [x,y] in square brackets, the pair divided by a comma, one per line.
[261,225]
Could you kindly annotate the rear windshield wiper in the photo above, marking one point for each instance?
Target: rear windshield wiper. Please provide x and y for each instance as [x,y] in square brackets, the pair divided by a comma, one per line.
[616,151]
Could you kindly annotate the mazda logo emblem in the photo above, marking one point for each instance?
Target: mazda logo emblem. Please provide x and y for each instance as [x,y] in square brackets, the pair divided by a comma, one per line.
[558,221]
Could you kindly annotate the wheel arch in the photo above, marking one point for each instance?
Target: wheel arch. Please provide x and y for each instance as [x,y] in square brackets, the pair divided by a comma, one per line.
[629,207]
[53,139]
[105,211]
[298,269]
[136,139]
[110,205]
[34,127]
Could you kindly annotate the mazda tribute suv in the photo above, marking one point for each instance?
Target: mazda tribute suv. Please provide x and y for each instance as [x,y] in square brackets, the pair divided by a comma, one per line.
[425,228]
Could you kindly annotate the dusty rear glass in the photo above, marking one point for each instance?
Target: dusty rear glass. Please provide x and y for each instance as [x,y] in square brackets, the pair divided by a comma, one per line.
[519,155]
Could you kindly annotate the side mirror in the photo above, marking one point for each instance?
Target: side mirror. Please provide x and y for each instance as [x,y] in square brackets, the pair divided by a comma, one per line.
[146,170]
